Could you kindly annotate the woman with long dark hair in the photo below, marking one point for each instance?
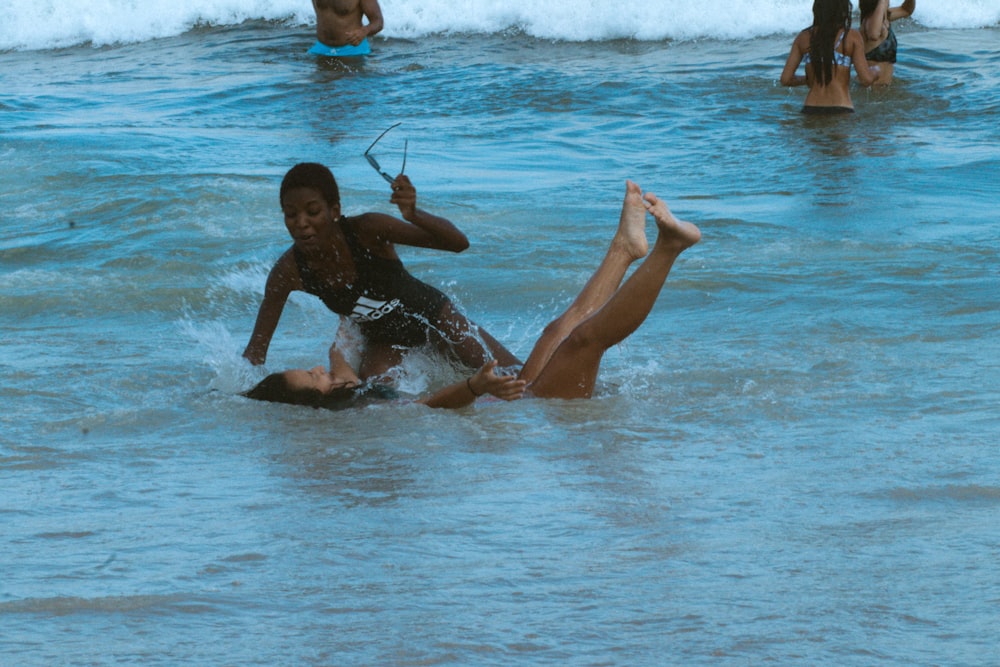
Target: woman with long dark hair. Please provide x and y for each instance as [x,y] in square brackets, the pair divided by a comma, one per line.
[876,29]
[828,48]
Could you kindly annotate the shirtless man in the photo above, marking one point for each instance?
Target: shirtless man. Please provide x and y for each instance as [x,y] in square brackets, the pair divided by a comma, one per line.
[340,26]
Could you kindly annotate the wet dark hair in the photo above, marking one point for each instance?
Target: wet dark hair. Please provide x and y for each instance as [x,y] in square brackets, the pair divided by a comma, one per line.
[867,8]
[311,175]
[829,18]
[274,389]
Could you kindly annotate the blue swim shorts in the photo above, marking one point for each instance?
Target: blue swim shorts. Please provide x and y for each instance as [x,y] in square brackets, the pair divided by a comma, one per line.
[321,49]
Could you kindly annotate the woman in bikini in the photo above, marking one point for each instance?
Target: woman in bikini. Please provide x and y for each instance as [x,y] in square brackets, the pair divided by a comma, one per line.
[828,48]
[876,29]
[565,361]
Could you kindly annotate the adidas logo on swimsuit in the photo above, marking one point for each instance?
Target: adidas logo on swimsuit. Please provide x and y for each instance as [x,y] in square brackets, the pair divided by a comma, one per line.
[369,310]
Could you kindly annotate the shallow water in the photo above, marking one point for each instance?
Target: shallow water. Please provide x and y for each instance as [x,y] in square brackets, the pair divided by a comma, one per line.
[794,460]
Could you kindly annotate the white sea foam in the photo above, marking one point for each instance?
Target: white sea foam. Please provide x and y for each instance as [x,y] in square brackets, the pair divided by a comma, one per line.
[30,24]
[27,24]
[232,373]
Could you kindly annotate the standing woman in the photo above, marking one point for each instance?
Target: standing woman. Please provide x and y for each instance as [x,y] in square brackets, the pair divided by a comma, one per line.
[828,48]
[876,29]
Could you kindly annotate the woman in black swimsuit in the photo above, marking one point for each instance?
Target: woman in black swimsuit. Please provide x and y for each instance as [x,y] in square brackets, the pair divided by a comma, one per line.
[351,264]
[876,29]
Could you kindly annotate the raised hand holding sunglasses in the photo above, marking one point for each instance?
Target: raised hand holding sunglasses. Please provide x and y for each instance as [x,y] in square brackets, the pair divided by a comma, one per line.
[374,163]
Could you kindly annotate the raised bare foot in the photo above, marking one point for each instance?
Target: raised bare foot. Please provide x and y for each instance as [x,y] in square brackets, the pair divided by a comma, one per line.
[631,234]
[672,230]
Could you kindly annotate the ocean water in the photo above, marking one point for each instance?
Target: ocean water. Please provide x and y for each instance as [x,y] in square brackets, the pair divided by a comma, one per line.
[794,461]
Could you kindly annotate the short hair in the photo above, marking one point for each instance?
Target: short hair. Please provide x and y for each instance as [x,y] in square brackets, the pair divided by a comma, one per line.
[275,389]
[311,175]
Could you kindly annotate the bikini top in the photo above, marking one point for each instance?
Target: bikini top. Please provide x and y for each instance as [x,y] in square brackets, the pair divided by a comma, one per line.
[884,52]
[839,58]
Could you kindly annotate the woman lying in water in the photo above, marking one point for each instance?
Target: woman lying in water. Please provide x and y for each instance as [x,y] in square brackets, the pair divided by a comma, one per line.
[565,360]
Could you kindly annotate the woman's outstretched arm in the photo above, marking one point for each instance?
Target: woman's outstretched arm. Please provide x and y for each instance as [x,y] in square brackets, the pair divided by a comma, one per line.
[420,229]
[483,381]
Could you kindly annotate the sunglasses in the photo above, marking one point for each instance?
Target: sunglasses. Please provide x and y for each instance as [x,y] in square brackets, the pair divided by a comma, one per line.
[374,163]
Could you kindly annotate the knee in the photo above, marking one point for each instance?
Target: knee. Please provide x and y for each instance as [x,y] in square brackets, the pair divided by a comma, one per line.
[556,327]
[580,339]
[551,328]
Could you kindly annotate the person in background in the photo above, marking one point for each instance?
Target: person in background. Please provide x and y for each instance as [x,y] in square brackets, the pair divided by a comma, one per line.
[565,361]
[350,263]
[341,28]
[876,29]
[828,48]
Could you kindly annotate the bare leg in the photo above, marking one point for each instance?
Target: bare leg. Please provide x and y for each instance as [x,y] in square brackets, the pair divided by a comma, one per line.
[628,245]
[571,372]
[472,345]
[377,359]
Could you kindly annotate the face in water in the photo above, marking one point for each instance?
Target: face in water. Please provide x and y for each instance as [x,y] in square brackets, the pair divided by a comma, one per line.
[315,378]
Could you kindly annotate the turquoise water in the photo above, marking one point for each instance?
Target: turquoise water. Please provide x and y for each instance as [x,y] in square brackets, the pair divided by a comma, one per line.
[794,460]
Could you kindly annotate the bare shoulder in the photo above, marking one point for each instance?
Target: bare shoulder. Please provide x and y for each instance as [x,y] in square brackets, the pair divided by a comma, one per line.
[854,40]
[371,221]
[287,265]
[284,276]
[372,227]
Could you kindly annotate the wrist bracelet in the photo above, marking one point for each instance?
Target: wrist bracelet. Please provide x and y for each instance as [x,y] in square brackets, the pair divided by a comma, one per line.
[468,383]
